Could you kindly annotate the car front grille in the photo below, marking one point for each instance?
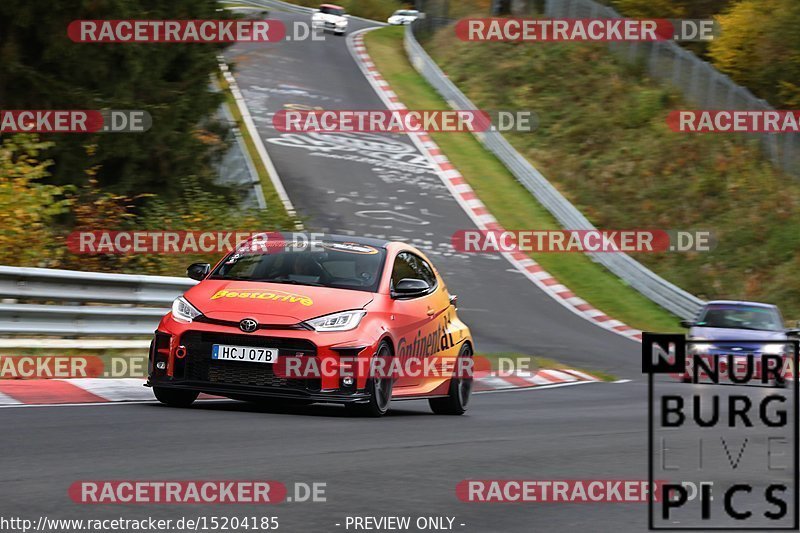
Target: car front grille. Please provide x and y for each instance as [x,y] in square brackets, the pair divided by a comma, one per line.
[200,367]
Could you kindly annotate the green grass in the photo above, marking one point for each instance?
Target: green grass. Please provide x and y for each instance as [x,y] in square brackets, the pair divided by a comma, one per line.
[230,5]
[512,205]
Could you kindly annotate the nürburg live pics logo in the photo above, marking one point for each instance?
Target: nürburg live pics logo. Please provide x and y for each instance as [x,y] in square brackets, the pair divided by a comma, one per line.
[722,433]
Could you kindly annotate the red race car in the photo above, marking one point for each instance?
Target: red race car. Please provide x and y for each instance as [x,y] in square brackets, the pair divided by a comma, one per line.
[338,320]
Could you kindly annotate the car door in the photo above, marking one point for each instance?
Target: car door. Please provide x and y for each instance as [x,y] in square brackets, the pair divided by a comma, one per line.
[420,321]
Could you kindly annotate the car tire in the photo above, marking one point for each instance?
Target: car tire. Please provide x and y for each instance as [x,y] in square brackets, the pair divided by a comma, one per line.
[459,392]
[175,397]
[380,390]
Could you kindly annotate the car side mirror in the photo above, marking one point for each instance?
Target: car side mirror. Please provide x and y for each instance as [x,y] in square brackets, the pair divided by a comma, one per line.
[794,332]
[409,287]
[198,271]
[687,323]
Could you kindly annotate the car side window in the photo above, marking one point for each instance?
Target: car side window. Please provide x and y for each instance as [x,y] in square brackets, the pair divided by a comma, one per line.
[424,271]
[408,265]
[401,269]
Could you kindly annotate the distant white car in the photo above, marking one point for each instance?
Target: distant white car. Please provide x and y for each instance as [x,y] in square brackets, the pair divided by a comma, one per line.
[403,16]
[330,17]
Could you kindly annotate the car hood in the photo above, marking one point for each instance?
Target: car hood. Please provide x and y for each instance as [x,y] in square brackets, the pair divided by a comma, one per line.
[731,334]
[275,303]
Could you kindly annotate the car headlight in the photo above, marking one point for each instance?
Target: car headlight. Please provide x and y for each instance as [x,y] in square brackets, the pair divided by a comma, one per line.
[183,311]
[699,348]
[341,23]
[344,321]
[774,349]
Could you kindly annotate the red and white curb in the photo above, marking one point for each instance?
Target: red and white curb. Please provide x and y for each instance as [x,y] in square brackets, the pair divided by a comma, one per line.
[492,382]
[16,392]
[473,206]
[106,390]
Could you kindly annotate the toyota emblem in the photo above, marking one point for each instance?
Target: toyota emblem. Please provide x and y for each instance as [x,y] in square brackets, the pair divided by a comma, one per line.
[248,325]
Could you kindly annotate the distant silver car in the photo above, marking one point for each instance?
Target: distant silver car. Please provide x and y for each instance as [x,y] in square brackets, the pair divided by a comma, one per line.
[404,16]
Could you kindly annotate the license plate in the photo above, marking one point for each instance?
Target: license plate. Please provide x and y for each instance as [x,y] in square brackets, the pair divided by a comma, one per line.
[250,354]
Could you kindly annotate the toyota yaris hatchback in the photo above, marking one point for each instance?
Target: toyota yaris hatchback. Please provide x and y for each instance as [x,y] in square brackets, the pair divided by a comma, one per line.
[345,320]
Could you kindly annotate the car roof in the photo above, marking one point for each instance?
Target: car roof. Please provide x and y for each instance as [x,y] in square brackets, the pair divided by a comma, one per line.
[740,302]
[334,6]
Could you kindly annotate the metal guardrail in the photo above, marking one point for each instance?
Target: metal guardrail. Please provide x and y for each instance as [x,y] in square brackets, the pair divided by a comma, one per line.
[657,289]
[115,300]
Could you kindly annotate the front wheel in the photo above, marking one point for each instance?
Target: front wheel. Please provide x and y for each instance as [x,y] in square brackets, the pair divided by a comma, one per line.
[379,388]
[460,389]
[175,397]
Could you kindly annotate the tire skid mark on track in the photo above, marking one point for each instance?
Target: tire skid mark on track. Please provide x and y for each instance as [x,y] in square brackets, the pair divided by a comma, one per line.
[475,209]
[93,391]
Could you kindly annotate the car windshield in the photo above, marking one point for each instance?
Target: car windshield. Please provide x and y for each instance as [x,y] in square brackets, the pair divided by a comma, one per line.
[340,265]
[405,13]
[327,10]
[741,317]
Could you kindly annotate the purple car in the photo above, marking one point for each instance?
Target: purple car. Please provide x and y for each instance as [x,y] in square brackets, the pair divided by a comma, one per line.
[748,324]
